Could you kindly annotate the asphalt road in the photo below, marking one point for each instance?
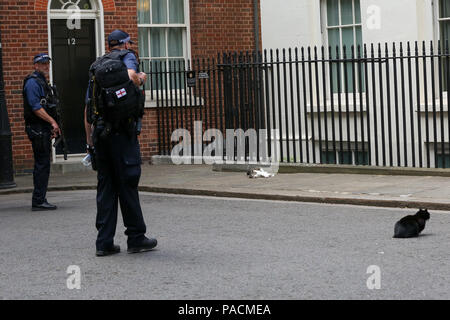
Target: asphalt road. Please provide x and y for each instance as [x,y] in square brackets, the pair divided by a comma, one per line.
[212,248]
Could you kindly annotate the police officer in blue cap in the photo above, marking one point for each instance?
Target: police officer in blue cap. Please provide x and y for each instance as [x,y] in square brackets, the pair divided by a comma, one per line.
[117,151]
[40,127]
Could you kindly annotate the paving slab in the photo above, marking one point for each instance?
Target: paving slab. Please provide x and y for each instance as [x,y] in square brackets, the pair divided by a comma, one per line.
[432,192]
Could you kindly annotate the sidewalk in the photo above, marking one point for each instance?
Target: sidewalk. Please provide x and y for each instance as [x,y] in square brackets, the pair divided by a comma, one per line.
[359,189]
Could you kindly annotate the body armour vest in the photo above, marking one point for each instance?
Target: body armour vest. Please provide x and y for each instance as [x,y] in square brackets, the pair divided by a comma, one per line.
[29,116]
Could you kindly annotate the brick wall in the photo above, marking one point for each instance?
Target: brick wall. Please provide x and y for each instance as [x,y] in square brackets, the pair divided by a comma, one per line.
[216,26]
[221,25]
[23,31]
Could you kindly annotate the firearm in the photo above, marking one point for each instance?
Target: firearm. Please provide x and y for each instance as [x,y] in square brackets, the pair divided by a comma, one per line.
[140,112]
[55,103]
[142,98]
[93,157]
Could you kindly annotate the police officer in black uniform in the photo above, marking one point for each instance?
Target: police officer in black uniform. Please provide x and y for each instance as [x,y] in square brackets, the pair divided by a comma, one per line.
[40,127]
[118,162]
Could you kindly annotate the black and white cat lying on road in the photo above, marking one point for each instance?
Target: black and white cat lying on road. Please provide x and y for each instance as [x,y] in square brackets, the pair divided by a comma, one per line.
[411,226]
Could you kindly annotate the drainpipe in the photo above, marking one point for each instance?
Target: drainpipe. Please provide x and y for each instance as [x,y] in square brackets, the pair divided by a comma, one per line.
[259,105]
[256,24]
[6,164]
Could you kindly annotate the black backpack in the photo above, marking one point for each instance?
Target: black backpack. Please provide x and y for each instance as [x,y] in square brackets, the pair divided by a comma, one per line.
[115,97]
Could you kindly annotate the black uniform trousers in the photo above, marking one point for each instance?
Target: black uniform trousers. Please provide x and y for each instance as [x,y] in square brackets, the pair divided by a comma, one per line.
[40,137]
[118,174]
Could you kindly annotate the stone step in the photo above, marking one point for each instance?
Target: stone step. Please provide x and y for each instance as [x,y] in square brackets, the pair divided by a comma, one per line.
[69,166]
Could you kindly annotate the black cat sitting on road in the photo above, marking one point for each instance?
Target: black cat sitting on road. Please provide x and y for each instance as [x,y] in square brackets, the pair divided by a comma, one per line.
[411,226]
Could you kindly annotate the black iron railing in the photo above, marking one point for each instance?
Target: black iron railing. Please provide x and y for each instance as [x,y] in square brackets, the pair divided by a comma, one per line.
[378,105]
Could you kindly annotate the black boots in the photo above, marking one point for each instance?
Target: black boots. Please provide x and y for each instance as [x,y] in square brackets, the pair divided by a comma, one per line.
[43,206]
[103,253]
[144,245]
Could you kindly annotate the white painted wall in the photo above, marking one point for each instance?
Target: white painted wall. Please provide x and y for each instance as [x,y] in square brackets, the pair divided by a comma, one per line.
[291,23]
[401,21]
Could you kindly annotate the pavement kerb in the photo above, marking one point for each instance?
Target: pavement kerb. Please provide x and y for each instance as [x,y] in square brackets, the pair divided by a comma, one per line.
[286,168]
[292,168]
[57,188]
[323,200]
[260,196]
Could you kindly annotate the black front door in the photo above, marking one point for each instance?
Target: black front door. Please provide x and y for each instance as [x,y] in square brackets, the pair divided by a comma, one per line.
[73,51]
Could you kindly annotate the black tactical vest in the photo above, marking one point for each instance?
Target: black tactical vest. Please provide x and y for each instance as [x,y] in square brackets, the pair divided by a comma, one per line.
[29,116]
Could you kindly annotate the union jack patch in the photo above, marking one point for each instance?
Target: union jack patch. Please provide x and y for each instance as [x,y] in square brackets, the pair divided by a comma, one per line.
[121,93]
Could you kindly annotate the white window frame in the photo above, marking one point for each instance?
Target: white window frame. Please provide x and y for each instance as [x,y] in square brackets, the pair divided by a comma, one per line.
[438,20]
[186,45]
[437,36]
[339,26]
[324,30]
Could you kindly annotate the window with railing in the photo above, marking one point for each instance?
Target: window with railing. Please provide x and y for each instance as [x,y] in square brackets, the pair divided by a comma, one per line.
[163,40]
[343,25]
[345,157]
[442,160]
